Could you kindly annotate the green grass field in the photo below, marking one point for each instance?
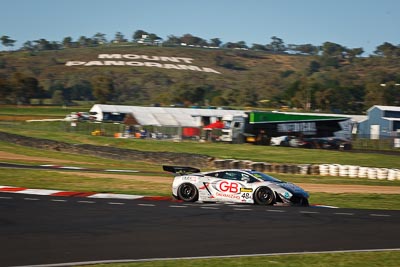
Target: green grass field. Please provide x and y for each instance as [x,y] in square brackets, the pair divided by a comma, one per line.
[365,259]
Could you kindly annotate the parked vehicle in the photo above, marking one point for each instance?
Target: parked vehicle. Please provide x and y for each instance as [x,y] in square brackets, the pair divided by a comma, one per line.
[323,143]
[303,142]
[280,141]
[335,143]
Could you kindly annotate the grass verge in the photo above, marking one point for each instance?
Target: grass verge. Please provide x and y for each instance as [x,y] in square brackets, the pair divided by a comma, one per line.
[359,259]
[85,182]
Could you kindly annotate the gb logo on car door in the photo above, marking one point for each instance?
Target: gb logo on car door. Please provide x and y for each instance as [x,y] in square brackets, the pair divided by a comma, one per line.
[228,187]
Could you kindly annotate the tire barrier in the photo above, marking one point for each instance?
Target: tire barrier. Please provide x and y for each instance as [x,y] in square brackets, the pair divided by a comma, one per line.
[359,172]
[337,170]
[324,169]
[382,174]
[353,171]
[334,170]
[362,172]
[235,164]
[304,169]
[314,170]
[343,170]
[258,166]
[372,173]
[219,163]
[267,167]
[393,174]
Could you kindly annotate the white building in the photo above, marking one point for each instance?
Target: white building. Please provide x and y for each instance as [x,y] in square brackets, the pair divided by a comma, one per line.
[381,122]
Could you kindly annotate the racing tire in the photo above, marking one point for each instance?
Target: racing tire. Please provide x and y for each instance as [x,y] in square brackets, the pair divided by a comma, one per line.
[188,192]
[264,196]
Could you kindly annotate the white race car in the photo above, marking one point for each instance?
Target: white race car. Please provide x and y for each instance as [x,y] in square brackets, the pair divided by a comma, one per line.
[234,185]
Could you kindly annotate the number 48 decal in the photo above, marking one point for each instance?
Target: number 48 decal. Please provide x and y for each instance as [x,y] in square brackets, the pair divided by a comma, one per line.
[246,195]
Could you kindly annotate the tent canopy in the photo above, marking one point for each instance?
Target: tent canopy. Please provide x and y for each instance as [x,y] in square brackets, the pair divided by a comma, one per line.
[163,116]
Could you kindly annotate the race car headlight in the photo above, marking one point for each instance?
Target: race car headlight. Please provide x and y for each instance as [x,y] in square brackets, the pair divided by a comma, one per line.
[286,195]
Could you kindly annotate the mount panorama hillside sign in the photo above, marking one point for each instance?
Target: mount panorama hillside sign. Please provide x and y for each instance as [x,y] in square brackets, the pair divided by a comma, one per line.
[132,60]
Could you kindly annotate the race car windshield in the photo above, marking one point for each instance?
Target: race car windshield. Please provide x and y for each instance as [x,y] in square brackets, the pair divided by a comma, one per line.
[266,177]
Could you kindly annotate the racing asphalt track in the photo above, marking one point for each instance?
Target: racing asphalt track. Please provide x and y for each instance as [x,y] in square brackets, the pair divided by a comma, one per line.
[37,230]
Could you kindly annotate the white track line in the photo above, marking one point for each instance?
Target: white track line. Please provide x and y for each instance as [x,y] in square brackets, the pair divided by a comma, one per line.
[147,205]
[380,215]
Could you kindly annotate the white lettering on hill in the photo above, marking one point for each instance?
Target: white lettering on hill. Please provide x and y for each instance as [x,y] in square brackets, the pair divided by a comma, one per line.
[133,60]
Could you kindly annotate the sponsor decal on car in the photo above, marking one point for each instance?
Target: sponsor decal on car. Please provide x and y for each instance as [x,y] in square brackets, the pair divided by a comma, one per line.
[246,196]
[189,178]
[228,195]
[227,186]
[246,190]
[231,187]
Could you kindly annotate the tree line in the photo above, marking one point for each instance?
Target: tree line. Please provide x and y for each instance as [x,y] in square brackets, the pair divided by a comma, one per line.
[316,91]
[276,45]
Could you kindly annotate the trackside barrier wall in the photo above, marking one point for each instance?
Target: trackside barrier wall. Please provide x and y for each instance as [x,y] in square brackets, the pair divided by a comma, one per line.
[350,171]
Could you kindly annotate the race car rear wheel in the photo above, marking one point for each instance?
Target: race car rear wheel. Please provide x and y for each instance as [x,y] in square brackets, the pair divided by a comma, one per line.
[188,192]
[264,196]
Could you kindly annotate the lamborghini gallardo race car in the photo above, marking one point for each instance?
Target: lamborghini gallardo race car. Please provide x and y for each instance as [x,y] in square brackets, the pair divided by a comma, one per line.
[234,185]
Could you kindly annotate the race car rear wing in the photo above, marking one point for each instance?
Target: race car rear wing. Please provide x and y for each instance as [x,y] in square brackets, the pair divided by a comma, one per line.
[181,170]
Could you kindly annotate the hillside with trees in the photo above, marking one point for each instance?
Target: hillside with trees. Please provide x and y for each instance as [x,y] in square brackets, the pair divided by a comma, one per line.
[326,78]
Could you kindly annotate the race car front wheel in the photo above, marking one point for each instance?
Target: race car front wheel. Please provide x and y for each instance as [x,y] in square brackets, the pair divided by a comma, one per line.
[264,196]
[188,192]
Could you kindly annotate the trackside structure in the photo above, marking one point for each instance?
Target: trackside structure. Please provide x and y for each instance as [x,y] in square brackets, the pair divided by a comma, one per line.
[382,122]
[233,125]
[160,116]
[258,124]
[163,122]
